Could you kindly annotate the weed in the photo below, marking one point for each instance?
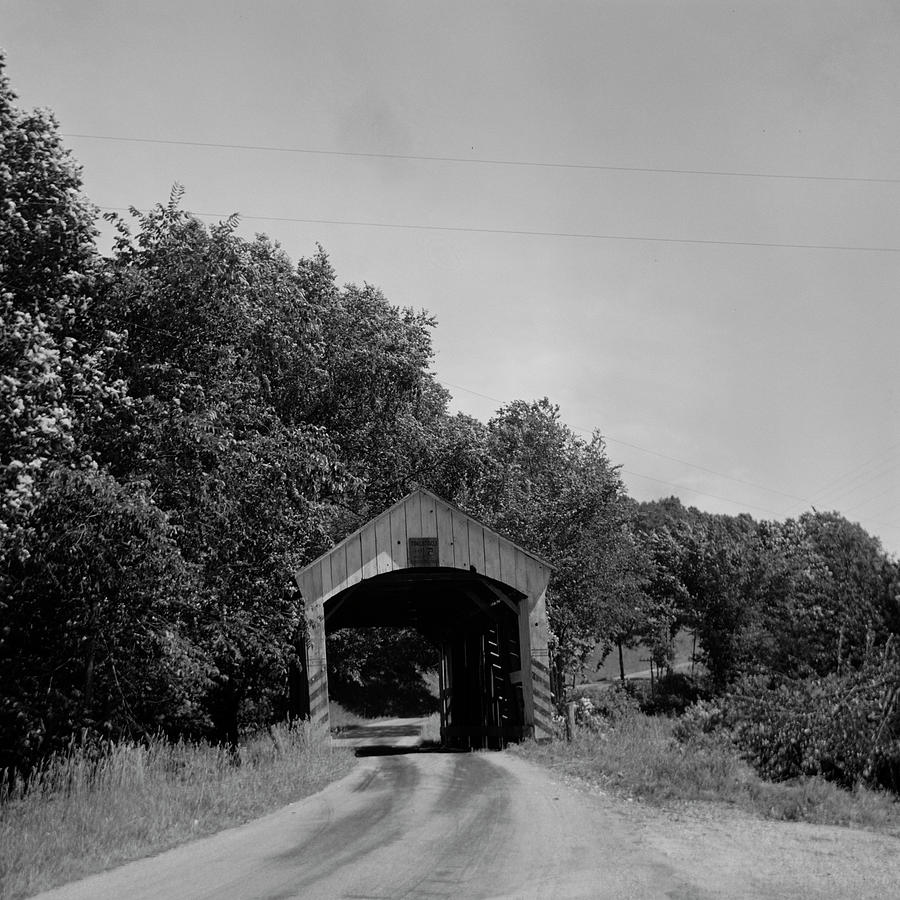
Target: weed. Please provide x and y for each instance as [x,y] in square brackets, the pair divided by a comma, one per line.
[83,811]
[639,757]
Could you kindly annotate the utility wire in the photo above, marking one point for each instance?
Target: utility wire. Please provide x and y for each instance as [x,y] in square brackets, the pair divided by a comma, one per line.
[853,487]
[835,487]
[681,487]
[485,162]
[529,233]
[683,462]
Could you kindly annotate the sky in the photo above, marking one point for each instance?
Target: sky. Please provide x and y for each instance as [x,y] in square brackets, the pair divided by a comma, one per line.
[678,221]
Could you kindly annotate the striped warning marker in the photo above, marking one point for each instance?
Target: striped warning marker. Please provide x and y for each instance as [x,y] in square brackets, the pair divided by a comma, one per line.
[543,698]
[318,692]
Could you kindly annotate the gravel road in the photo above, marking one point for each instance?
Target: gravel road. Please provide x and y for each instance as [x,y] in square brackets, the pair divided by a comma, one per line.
[430,824]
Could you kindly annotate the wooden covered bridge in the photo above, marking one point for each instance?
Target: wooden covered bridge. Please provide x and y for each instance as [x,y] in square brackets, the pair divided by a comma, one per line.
[425,564]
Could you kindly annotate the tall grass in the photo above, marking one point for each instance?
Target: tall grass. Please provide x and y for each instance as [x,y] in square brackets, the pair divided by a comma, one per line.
[638,757]
[84,811]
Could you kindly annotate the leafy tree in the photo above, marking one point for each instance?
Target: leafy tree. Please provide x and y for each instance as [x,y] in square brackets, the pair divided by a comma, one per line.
[223,363]
[46,224]
[79,552]
[53,388]
[93,621]
[561,497]
[379,400]
[381,671]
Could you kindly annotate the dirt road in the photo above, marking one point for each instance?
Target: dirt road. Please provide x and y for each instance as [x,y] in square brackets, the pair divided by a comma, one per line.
[429,824]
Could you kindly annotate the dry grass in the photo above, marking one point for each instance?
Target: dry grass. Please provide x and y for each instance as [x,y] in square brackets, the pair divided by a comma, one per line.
[431,730]
[341,719]
[83,813]
[639,758]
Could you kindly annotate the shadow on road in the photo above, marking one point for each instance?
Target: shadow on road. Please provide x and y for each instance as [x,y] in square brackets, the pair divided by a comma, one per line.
[376,732]
[385,750]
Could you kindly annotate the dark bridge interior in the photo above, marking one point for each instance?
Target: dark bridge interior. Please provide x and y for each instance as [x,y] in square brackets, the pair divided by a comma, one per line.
[474,620]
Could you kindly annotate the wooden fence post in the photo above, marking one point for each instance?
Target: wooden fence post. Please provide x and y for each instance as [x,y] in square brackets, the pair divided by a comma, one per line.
[570,720]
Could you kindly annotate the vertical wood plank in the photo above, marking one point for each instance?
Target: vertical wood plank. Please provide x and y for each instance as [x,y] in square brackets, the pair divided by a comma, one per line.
[507,563]
[369,551]
[460,540]
[521,582]
[313,583]
[429,518]
[491,555]
[384,559]
[325,567]
[476,547]
[303,582]
[444,524]
[354,560]
[398,537]
[339,567]
[413,510]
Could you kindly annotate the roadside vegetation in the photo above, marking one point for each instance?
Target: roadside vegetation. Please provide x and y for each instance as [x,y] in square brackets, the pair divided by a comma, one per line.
[95,806]
[665,761]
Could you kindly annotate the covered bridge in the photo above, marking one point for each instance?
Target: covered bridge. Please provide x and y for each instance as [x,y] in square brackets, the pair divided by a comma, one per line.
[425,564]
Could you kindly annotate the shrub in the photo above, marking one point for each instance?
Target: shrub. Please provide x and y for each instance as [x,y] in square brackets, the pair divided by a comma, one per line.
[596,709]
[92,807]
[672,695]
[699,721]
[845,728]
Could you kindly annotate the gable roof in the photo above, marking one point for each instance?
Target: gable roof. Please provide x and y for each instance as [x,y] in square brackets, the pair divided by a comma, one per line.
[439,534]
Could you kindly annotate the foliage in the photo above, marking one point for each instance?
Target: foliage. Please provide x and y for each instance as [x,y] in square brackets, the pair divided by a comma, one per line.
[378,399]
[91,807]
[53,388]
[639,758]
[222,362]
[46,225]
[88,568]
[700,721]
[92,618]
[600,709]
[845,728]
[562,498]
[381,671]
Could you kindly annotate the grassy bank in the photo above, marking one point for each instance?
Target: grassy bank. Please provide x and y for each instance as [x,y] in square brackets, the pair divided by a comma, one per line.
[83,813]
[639,758]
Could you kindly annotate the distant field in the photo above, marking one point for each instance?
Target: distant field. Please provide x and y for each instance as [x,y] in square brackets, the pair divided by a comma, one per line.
[636,660]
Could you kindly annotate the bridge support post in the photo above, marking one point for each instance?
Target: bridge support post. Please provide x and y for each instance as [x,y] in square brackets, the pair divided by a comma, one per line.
[317,667]
[533,642]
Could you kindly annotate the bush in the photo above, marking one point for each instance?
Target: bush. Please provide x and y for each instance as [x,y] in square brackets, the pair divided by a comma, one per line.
[699,722]
[90,808]
[672,695]
[845,728]
[597,709]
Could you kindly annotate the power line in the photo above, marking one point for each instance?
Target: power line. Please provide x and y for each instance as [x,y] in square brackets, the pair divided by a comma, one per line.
[521,232]
[852,488]
[683,462]
[841,482]
[649,170]
[681,487]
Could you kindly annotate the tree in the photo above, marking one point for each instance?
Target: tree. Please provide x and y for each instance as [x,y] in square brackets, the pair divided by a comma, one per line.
[86,562]
[223,361]
[94,619]
[378,400]
[561,497]
[53,388]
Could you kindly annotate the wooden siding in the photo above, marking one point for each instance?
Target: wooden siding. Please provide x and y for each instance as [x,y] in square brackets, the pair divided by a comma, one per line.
[382,546]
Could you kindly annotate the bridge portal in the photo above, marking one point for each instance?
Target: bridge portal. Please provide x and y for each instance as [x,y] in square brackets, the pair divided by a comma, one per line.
[480,598]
